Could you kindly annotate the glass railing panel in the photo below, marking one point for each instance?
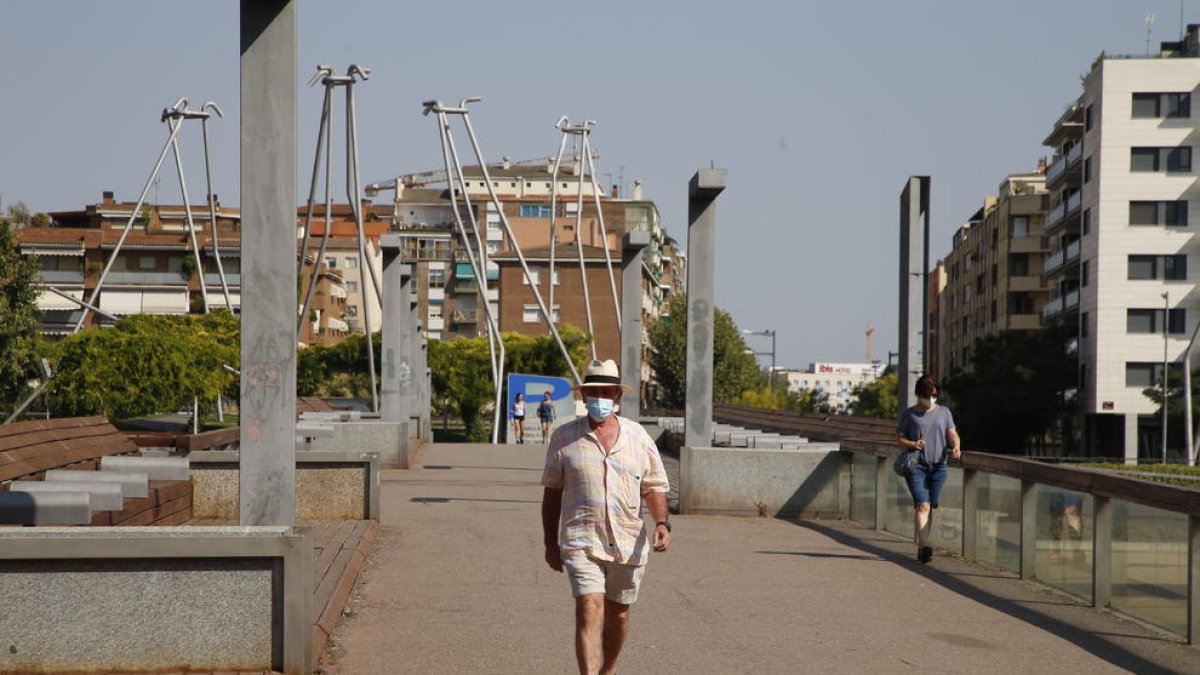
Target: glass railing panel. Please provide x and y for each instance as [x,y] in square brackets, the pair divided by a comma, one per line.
[898,510]
[947,518]
[1063,557]
[1149,564]
[862,489]
[998,521]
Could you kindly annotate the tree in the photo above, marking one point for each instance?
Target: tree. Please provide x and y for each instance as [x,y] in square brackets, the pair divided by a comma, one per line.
[877,399]
[779,398]
[1176,423]
[19,214]
[734,370]
[1014,392]
[20,344]
[145,364]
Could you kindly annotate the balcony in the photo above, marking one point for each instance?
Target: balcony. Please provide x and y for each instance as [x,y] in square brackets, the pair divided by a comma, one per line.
[1026,283]
[463,287]
[1056,215]
[61,276]
[337,324]
[1054,261]
[214,279]
[1028,244]
[147,278]
[435,323]
[437,294]
[466,316]
[1072,252]
[1070,300]
[414,253]
[1065,167]
[1054,306]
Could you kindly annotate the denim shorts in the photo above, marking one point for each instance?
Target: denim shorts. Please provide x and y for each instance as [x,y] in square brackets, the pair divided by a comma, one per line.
[925,483]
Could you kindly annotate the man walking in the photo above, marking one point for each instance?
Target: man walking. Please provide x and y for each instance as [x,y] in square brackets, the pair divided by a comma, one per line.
[599,470]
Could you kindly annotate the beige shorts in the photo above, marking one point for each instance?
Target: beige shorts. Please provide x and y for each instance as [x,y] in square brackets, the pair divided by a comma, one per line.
[619,583]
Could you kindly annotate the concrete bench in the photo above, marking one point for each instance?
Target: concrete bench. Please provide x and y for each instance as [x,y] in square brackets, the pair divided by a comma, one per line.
[305,432]
[155,468]
[334,416]
[102,496]
[45,508]
[133,485]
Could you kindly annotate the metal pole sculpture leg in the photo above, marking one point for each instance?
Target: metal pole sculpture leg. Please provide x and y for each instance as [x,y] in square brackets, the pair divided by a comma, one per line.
[162,156]
[36,392]
[352,123]
[583,279]
[562,145]
[322,143]
[176,121]
[212,212]
[352,195]
[495,341]
[508,231]
[316,272]
[612,280]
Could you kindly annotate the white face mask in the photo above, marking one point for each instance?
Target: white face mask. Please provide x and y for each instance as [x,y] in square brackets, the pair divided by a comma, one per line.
[927,401]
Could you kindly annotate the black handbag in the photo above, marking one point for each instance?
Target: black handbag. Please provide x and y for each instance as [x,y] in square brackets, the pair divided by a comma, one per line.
[906,462]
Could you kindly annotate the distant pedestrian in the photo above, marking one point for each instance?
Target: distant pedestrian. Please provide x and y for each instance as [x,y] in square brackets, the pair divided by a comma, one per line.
[927,428]
[600,469]
[518,417]
[546,415]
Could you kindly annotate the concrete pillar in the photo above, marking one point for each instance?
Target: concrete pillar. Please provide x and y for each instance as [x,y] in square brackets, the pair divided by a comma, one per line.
[914,263]
[268,238]
[883,468]
[396,374]
[970,514]
[631,321]
[1131,438]
[1193,581]
[410,385]
[703,190]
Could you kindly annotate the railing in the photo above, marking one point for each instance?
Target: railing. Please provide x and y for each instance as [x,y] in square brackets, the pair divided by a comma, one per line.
[1112,540]
[1071,300]
[1056,168]
[1072,251]
[148,278]
[1056,215]
[1073,203]
[1053,306]
[461,287]
[61,276]
[1054,261]
[466,316]
[214,279]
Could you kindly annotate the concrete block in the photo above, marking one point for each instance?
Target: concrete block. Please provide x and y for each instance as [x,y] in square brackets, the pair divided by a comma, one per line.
[761,482]
[331,416]
[103,496]
[155,468]
[45,508]
[311,430]
[389,439]
[133,485]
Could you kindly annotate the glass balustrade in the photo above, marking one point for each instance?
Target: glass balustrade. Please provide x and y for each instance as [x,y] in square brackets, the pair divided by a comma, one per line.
[1149,564]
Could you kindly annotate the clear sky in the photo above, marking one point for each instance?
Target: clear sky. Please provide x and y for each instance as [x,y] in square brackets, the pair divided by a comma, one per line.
[819,111]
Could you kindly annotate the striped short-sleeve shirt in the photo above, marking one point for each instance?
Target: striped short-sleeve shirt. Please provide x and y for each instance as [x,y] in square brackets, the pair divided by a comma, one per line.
[602,493]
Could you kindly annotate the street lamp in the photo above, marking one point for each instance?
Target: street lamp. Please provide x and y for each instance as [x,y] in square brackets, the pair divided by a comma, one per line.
[771,334]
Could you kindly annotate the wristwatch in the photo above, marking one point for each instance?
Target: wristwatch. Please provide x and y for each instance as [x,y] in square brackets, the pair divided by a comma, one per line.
[664,524]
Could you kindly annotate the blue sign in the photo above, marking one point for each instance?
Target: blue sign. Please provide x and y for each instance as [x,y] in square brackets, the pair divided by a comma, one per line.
[533,389]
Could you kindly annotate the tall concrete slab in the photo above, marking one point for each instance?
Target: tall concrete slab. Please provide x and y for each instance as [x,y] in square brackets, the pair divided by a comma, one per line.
[913,303]
[268,237]
[410,347]
[703,190]
[397,372]
[631,320]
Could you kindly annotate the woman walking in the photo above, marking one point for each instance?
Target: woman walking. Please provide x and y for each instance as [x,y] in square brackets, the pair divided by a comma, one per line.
[518,416]
[927,428]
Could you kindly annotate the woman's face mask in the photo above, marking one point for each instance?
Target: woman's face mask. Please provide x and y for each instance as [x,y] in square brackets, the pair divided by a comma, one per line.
[599,409]
[927,401]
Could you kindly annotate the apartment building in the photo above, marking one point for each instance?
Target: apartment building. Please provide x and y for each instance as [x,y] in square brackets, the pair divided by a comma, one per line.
[353,300]
[155,272]
[836,380]
[1121,234]
[993,275]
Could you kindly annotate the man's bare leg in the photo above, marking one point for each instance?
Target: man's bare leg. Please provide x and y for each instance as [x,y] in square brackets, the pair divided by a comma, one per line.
[616,628]
[589,620]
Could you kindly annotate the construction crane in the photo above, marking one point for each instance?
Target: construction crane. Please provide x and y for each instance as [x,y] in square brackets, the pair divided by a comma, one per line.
[870,330]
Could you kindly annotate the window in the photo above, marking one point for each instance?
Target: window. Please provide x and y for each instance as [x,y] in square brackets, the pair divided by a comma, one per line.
[1173,160]
[1155,105]
[993,311]
[995,275]
[1020,303]
[535,210]
[351,263]
[1083,324]
[1087,221]
[1087,118]
[1018,264]
[1179,159]
[1083,273]
[1143,159]
[146,263]
[1087,170]
[351,286]
[1020,227]
[1166,267]
[535,273]
[437,278]
[1150,321]
[1171,214]
[435,311]
[529,314]
[1142,374]
[352,311]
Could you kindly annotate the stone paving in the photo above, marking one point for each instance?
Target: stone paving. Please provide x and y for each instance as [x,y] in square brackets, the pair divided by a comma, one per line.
[457,584]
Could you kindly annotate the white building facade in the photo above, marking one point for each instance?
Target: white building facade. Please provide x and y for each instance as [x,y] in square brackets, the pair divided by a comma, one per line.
[1123,255]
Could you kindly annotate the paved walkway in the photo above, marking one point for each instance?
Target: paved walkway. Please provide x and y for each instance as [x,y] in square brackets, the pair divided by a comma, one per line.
[456,584]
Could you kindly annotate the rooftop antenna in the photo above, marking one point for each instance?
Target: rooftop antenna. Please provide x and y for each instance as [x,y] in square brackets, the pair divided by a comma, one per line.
[1149,26]
[1181,35]
[870,330]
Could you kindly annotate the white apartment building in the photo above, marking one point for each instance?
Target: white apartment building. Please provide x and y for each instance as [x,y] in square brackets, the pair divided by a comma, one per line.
[1122,235]
[837,380]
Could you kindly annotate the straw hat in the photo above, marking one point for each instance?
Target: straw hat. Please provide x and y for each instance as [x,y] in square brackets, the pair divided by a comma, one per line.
[602,374]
